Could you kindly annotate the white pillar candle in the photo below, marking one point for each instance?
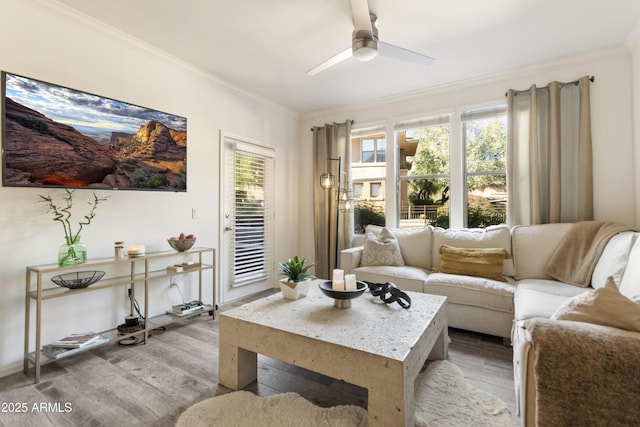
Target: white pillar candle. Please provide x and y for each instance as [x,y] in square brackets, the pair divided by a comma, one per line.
[338,275]
[350,282]
[337,285]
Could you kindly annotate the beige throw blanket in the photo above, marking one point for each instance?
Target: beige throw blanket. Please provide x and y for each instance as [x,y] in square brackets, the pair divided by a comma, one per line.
[576,256]
[585,374]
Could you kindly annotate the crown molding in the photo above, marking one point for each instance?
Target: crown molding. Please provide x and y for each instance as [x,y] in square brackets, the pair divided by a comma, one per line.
[121,36]
[493,78]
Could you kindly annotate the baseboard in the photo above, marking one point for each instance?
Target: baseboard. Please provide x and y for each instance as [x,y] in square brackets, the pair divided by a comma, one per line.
[10,370]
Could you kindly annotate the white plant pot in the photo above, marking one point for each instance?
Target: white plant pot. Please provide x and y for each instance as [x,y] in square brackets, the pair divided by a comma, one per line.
[298,291]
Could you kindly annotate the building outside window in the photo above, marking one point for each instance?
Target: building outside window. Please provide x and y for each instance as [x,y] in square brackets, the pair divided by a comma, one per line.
[368,174]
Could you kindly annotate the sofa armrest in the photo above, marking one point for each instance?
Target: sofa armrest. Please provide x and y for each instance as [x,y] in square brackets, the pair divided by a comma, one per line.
[350,258]
[581,374]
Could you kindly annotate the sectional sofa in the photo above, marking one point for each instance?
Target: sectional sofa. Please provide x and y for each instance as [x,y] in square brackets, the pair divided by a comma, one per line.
[518,279]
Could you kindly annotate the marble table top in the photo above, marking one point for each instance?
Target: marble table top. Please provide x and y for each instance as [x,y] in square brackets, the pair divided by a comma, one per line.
[369,325]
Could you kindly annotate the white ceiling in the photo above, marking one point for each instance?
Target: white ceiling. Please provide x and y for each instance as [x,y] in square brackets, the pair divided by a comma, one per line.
[266,46]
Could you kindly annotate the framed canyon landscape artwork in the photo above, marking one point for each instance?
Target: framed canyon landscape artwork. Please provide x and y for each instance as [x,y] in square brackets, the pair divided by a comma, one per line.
[53,136]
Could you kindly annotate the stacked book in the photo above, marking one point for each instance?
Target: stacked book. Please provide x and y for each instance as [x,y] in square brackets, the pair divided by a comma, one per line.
[188,308]
[73,344]
[185,266]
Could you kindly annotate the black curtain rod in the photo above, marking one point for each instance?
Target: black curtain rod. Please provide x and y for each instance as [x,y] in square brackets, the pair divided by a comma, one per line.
[575,82]
[321,126]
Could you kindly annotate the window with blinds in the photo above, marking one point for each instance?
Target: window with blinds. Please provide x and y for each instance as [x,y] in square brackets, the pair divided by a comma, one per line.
[251,251]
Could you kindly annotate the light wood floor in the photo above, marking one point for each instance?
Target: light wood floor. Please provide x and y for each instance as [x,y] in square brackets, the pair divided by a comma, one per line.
[151,384]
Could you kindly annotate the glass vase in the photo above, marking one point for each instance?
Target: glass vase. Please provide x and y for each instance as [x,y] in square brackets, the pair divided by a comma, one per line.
[72,252]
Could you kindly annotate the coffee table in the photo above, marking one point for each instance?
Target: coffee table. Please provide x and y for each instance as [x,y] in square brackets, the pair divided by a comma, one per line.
[373,345]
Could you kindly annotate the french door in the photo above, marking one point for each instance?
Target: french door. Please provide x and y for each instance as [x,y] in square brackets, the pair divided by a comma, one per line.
[247,218]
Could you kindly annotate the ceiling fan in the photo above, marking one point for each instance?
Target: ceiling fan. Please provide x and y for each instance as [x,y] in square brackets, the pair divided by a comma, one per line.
[365,44]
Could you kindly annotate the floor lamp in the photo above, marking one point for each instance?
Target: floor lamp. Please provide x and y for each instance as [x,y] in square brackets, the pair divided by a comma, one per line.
[327,182]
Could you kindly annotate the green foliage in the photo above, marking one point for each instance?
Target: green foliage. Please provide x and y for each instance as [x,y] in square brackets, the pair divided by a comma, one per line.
[480,214]
[365,213]
[486,147]
[442,217]
[63,214]
[294,269]
[431,158]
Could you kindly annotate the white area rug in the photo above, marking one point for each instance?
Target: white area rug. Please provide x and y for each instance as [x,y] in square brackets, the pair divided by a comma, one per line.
[245,409]
[443,399]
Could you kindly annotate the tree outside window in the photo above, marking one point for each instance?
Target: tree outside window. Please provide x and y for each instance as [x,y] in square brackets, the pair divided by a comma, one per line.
[485,142]
[424,183]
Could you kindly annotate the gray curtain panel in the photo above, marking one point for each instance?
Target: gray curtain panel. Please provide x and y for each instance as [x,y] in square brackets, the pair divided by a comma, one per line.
[549,158]
[333,228]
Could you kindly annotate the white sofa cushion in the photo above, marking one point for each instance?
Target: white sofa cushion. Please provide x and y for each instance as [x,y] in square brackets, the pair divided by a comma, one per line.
[495,236]
[630,284]
[613,260]
[472,291]
[533,246]
[407,278]
[415,244]
[541,297]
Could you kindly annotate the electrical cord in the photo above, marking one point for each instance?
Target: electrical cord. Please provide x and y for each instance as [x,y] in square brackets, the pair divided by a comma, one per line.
[175,285]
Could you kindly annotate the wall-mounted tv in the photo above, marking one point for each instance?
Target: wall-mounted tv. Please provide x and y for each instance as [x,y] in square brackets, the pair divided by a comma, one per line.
[53,136]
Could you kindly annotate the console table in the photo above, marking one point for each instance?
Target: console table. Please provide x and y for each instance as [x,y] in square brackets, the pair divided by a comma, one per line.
[141,270]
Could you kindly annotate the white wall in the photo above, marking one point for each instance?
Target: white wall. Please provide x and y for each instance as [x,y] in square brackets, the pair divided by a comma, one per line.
[611,115]
[54,46]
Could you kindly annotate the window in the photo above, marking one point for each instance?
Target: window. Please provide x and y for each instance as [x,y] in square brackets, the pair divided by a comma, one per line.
[251,258]
[424,180]
[452,169]
[485,139]
[357,190]
[373,150]
[368,175]
[376,189]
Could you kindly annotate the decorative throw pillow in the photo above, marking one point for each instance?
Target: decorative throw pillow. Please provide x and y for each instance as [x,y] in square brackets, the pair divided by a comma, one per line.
[613,260]
[630,283]
[479,262]
[381,250]
[604,306]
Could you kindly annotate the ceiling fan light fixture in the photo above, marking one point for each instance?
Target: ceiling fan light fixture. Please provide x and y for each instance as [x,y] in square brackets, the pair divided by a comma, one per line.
[364,49]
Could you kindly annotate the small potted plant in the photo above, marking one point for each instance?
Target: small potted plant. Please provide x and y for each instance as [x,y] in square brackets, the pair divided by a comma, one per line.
[296,282]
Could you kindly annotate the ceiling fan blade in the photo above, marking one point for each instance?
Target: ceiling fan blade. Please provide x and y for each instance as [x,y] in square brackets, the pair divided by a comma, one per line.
[361,18]
[330,62]
[392,51]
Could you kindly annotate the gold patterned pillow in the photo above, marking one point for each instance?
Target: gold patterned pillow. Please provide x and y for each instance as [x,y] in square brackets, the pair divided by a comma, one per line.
[381,250]
[479,262]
